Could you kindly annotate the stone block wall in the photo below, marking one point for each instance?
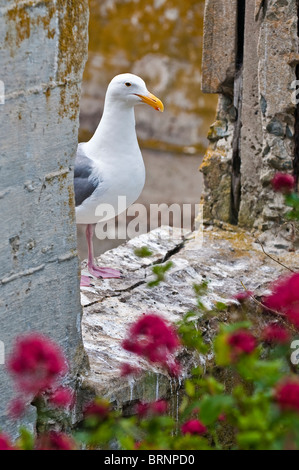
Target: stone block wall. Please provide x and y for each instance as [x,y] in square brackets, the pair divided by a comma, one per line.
[42,55]
[250,59]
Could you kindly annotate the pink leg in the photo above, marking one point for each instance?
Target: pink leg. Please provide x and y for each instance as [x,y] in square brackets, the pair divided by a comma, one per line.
[96,271]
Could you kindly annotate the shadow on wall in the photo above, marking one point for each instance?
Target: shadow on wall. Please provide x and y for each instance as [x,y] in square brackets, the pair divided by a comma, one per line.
[162,42]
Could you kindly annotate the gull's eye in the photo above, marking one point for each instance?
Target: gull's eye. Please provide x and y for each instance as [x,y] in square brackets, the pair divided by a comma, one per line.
[128,84]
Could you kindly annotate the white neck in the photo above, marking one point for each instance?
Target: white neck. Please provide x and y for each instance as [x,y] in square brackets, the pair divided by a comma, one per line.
[115,133]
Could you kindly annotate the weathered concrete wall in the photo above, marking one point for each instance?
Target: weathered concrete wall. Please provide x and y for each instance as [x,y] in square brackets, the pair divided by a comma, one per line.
[219,35]
[253,136]
[42,55]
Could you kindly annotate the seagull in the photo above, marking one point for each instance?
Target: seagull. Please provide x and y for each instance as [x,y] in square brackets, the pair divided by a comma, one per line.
[110,164]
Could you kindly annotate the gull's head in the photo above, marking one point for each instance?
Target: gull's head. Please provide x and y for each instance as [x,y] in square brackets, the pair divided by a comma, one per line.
[131,90]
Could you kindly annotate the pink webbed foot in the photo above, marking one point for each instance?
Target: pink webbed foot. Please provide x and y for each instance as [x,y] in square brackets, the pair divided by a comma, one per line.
[96,271]
[104,273]
[85,281]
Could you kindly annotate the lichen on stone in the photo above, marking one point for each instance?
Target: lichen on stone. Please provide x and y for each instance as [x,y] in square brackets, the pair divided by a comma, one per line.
[73,15]
[21,21]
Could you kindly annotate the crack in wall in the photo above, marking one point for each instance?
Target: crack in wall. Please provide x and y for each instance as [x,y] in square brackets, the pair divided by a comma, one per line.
[238,85]
[40,88]
[296,148]
[171,253]
[240,33]
[119,292]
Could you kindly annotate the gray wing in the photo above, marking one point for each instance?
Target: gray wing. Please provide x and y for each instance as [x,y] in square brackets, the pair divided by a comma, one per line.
[84,184]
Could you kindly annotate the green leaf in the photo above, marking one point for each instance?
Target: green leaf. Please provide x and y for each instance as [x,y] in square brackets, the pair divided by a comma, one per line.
[191,443]
[201,289]
[244,325]
[222,350]
[143,252]
[102,434]
[263,372]
[26,439]
[220,306]
[211,386]
[160,271]
[191,336]
[126,442]
[190,409]
[292,200]
[213,406]
[249,439]
[293,215]
[197,371]
[190,388]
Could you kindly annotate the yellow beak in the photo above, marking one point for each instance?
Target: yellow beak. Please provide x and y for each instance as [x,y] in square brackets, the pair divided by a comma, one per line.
[153,101]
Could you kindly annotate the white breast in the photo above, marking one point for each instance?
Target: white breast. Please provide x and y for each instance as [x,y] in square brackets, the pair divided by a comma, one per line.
[121,187]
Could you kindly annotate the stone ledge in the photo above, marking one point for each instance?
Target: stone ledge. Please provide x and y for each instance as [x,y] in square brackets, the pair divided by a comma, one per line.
[225,259]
